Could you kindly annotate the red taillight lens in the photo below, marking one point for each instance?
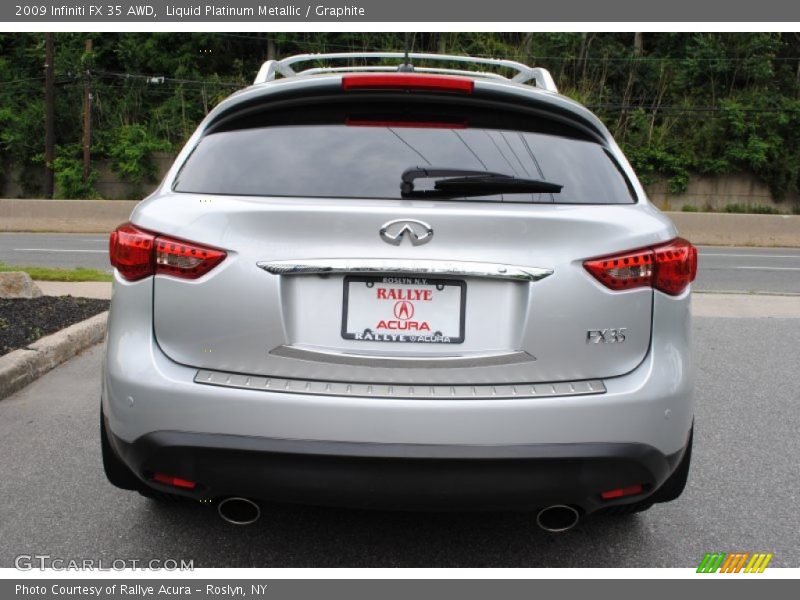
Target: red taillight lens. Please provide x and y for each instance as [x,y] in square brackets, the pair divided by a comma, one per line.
[622,492]
[131,252]
[670,268]
[408,81]
[174,481]
[623,272]
[676,266]
[137,254]
[185,260]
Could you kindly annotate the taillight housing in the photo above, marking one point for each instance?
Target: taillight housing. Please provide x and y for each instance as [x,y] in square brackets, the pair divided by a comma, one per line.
[137,254]
[668,267]
[408,81]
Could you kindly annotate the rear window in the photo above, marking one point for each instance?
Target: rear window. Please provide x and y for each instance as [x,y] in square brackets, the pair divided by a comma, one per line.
[362,152]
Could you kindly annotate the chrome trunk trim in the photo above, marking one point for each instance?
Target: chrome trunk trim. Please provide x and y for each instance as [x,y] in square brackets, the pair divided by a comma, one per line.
[403,362]
[333,266]
[399,391]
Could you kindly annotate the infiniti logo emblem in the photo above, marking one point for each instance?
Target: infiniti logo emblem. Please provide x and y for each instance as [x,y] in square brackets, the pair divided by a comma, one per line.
[417,232]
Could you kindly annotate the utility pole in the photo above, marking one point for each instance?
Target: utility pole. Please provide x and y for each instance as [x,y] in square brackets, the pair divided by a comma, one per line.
[87,111]
[271,49]
[49,114]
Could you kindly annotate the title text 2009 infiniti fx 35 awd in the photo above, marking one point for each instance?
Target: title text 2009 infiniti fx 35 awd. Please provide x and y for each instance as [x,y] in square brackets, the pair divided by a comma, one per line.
[401,289]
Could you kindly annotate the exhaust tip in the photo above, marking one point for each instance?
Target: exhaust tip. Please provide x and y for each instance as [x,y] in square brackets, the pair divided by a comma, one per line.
[557,518]
[239,511]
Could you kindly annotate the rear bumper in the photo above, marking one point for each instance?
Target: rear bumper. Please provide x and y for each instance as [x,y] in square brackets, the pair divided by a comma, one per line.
[396,476]
[504,453]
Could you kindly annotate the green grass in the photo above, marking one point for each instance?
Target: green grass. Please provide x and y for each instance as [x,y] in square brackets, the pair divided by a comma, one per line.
[753,210]
[48,274]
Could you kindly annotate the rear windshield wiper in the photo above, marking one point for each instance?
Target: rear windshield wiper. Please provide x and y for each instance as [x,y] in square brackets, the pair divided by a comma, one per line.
[466,182]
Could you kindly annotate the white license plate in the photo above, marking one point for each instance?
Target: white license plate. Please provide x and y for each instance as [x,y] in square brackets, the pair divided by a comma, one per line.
[404,309]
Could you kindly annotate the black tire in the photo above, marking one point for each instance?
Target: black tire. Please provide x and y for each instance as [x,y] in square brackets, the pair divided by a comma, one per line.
[117,472]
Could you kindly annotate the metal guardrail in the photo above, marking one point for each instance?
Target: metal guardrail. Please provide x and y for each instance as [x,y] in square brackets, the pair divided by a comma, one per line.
[286,67]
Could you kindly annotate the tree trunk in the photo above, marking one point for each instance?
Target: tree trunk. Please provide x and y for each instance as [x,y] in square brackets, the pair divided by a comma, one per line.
[49,114]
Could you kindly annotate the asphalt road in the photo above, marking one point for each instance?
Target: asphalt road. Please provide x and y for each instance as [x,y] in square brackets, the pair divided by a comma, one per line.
[759,270]
[742,494]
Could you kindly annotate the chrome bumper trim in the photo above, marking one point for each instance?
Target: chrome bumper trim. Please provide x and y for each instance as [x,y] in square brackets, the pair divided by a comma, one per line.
[332,266]
[404,362]
[399,391]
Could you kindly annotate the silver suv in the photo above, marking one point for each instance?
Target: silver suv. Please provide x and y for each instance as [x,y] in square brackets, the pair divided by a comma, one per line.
[401,287]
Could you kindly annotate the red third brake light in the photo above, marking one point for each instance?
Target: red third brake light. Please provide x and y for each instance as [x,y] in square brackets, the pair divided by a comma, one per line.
[669,268]
[408,81]
[137,254]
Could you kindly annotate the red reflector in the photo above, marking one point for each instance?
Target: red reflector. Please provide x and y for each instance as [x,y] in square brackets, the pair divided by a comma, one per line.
[669,268]
[174,481]
[137,254]
[408,81]
[415,124]
[621,492]
[131,252]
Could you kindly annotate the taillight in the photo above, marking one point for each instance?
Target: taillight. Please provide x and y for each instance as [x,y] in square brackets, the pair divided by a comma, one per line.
[137,254]
[408,81]
[186,260]
[131,252]
[676,266]
[669,267]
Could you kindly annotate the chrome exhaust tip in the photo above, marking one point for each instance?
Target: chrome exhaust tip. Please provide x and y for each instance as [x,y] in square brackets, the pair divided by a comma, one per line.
[239,511]
[557,518]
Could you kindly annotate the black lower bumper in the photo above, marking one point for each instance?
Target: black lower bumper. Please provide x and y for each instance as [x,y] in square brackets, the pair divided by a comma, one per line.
[392,476]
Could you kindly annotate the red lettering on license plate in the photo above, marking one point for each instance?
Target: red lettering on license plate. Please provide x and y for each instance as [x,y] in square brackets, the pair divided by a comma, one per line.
[403,294]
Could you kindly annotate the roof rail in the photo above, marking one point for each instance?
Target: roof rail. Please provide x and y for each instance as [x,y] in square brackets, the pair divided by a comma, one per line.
[285,68]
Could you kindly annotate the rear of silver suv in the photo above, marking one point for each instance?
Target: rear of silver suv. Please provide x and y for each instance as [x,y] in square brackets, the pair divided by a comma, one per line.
[401,290]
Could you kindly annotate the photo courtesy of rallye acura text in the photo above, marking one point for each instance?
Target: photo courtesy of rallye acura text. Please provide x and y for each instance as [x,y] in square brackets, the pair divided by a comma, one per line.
[428,285]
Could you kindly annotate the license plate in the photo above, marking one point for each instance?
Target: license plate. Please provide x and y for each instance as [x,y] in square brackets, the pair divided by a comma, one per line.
[404,309]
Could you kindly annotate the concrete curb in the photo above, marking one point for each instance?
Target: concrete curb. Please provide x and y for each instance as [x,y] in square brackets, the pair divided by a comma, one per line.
[23,366]
[724,229]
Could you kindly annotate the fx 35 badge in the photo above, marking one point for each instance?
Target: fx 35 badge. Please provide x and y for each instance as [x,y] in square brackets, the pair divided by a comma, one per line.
[606,336]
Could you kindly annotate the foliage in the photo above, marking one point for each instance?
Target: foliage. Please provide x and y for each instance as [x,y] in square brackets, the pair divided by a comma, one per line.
[131,148]
[69,179]
[689,208]
[679,104]
[753,210]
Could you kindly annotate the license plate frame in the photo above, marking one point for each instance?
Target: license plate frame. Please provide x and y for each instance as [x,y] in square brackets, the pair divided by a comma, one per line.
[403,337]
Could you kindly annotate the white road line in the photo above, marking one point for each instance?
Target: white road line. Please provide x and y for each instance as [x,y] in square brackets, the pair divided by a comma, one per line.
[751,255]
[767,268]
[57,250]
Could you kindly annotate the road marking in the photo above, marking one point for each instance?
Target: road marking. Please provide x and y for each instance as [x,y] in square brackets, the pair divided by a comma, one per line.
[751,255]
[56,250]
[766,268]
